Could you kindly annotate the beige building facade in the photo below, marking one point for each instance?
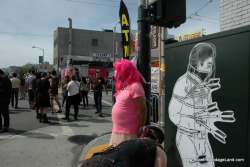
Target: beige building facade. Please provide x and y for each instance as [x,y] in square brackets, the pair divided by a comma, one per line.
[234,14]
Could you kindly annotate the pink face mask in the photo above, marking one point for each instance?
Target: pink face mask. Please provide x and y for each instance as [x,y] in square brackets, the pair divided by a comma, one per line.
[148,132]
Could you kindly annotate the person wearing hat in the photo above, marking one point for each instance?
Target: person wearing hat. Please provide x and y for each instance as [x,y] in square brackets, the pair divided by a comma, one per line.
[5,94]
[145,151]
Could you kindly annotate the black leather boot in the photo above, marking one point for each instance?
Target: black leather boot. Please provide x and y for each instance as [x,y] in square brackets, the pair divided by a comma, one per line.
[75,115]
[40,118]
[45,119]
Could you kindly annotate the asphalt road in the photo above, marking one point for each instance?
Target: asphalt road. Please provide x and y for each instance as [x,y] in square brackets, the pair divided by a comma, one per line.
[60,143]
[24,119]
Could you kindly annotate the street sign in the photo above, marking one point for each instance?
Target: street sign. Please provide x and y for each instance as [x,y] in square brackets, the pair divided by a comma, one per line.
[40,59]
[154,36]
[100,56]
[190,35]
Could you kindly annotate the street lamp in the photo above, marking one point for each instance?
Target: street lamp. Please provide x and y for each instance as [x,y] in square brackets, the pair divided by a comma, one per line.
[43,56]
[114,53]
[114,43]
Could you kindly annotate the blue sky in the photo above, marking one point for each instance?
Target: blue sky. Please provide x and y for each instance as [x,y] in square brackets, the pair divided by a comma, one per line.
[27,23]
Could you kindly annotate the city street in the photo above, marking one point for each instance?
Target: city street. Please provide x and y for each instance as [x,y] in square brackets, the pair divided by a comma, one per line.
[179,65]
[60,143]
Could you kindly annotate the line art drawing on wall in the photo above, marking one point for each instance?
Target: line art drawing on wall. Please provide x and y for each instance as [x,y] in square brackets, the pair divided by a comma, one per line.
[193,110]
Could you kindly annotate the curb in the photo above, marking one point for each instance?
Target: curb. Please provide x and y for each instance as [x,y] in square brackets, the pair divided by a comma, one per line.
[90,145]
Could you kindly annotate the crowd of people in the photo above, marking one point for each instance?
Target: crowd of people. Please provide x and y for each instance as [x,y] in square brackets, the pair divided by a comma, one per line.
[130,137]
[42,90]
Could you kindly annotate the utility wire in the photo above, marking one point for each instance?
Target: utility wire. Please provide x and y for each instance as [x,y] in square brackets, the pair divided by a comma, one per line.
[119,2]
[92,3]
[203,20]
[25,34]
[204,16]
[76,1]
[189,17]
[203,6]
[196,13]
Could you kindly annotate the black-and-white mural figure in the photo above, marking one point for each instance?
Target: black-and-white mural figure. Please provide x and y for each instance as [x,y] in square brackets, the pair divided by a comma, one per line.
[193,111]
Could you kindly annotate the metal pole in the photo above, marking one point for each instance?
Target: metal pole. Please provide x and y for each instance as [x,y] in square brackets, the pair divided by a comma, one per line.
[43,61]
[70,42]
[43,64]
[114,54]
[162,69]
[160,76]
[70,37]
[144,52]
[114,47]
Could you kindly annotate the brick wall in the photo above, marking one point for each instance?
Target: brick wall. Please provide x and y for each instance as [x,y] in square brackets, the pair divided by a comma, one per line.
[234,14]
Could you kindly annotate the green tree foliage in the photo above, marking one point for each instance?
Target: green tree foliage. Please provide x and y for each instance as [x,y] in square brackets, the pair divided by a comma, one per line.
[24,70]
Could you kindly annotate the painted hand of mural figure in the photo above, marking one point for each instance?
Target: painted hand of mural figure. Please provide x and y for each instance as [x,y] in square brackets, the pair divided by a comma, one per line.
[213,84]
[213,114]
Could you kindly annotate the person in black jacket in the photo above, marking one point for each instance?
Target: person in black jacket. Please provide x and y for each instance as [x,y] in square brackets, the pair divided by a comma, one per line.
[145,151]
[5,94]
[54,84]
[43,101]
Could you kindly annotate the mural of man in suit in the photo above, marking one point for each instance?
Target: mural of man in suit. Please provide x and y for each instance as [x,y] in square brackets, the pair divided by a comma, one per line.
[193,111]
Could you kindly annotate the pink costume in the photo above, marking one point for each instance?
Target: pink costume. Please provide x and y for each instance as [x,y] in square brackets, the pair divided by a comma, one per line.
[125,115]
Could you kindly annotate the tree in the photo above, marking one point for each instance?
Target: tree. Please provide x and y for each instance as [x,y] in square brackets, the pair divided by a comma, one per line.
[24,70]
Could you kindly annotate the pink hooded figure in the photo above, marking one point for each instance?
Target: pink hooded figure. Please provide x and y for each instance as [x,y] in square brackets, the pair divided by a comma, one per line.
[130,110]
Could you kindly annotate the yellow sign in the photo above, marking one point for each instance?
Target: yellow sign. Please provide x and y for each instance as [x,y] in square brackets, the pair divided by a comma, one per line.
[163,67]
[125,28]
[190,35]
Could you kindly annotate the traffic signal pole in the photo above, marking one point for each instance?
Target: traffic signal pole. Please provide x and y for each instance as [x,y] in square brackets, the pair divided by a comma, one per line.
[164,13]
[144,50]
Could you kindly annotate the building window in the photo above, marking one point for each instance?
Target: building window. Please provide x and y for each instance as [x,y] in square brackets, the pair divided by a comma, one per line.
[94,42]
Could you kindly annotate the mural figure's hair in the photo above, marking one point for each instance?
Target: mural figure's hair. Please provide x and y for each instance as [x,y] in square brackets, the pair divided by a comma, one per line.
[201,52]
[128,72]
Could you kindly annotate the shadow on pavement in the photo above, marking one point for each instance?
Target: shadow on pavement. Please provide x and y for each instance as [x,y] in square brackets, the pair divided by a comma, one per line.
[71,124]
[99,120]
[19,110]
[82,139]
[28,134]
[39,135]
[14,131]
